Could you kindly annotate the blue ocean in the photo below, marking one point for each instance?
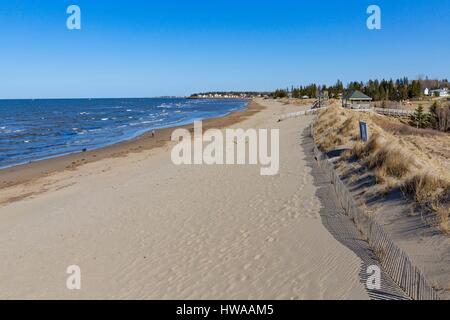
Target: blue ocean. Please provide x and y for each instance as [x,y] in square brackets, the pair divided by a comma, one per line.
[31,130]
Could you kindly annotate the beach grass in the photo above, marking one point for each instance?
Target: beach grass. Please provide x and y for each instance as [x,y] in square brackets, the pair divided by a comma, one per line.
[396,155]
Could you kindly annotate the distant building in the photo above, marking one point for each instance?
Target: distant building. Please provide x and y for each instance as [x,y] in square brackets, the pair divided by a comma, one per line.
[426,92]
[229,95]
[356,100]
[439,93]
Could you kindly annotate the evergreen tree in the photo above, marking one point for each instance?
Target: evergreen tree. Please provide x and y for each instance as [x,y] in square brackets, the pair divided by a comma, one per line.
[296,93]
[279,93]
[419,119]
[434,116]
[382,93]
[415,89]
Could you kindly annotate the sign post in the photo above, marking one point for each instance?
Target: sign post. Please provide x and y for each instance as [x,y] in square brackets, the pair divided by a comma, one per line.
[363,131]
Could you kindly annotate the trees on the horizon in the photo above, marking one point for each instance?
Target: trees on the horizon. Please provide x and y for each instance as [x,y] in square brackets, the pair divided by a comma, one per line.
[310,91]
[389,90]
[384,90]
[280,93]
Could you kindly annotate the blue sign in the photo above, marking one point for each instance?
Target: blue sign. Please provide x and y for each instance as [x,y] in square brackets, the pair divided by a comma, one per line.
[364,131]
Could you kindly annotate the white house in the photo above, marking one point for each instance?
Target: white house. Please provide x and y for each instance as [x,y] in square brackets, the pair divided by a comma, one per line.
[426,92]
[439,93]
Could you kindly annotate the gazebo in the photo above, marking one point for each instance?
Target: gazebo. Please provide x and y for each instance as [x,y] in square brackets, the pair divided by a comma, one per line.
[356,100]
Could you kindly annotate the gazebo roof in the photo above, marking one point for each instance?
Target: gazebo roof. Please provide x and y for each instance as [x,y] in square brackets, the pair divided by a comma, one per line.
[356,95]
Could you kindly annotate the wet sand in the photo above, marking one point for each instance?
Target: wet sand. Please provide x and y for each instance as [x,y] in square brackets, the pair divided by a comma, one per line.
[38,169]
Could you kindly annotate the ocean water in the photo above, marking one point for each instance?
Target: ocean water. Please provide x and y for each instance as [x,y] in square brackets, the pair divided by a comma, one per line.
[32,130]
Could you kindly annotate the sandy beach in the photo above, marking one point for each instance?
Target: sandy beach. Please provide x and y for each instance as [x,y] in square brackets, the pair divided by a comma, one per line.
[182,154]
[140,227]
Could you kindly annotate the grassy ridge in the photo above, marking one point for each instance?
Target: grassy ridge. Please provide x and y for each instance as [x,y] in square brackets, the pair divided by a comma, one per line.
[397,156]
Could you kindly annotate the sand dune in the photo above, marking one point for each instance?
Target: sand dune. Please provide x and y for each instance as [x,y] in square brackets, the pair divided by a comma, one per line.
[140,227]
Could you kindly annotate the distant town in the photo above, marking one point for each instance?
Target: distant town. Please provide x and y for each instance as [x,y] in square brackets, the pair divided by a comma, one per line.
[231,95]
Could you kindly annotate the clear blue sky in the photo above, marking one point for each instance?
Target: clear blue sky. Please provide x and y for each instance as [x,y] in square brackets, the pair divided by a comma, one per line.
[150,48]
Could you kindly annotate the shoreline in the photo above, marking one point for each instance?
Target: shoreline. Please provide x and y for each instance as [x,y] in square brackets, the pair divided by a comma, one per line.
[22,173]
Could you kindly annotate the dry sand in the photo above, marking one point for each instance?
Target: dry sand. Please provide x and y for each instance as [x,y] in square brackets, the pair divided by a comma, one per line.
[142,228]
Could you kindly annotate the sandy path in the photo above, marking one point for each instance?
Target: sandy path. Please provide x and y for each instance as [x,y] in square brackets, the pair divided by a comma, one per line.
[140,227]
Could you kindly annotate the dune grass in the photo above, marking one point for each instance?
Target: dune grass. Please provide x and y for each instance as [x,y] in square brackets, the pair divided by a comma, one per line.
[395,159]
[433,192]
